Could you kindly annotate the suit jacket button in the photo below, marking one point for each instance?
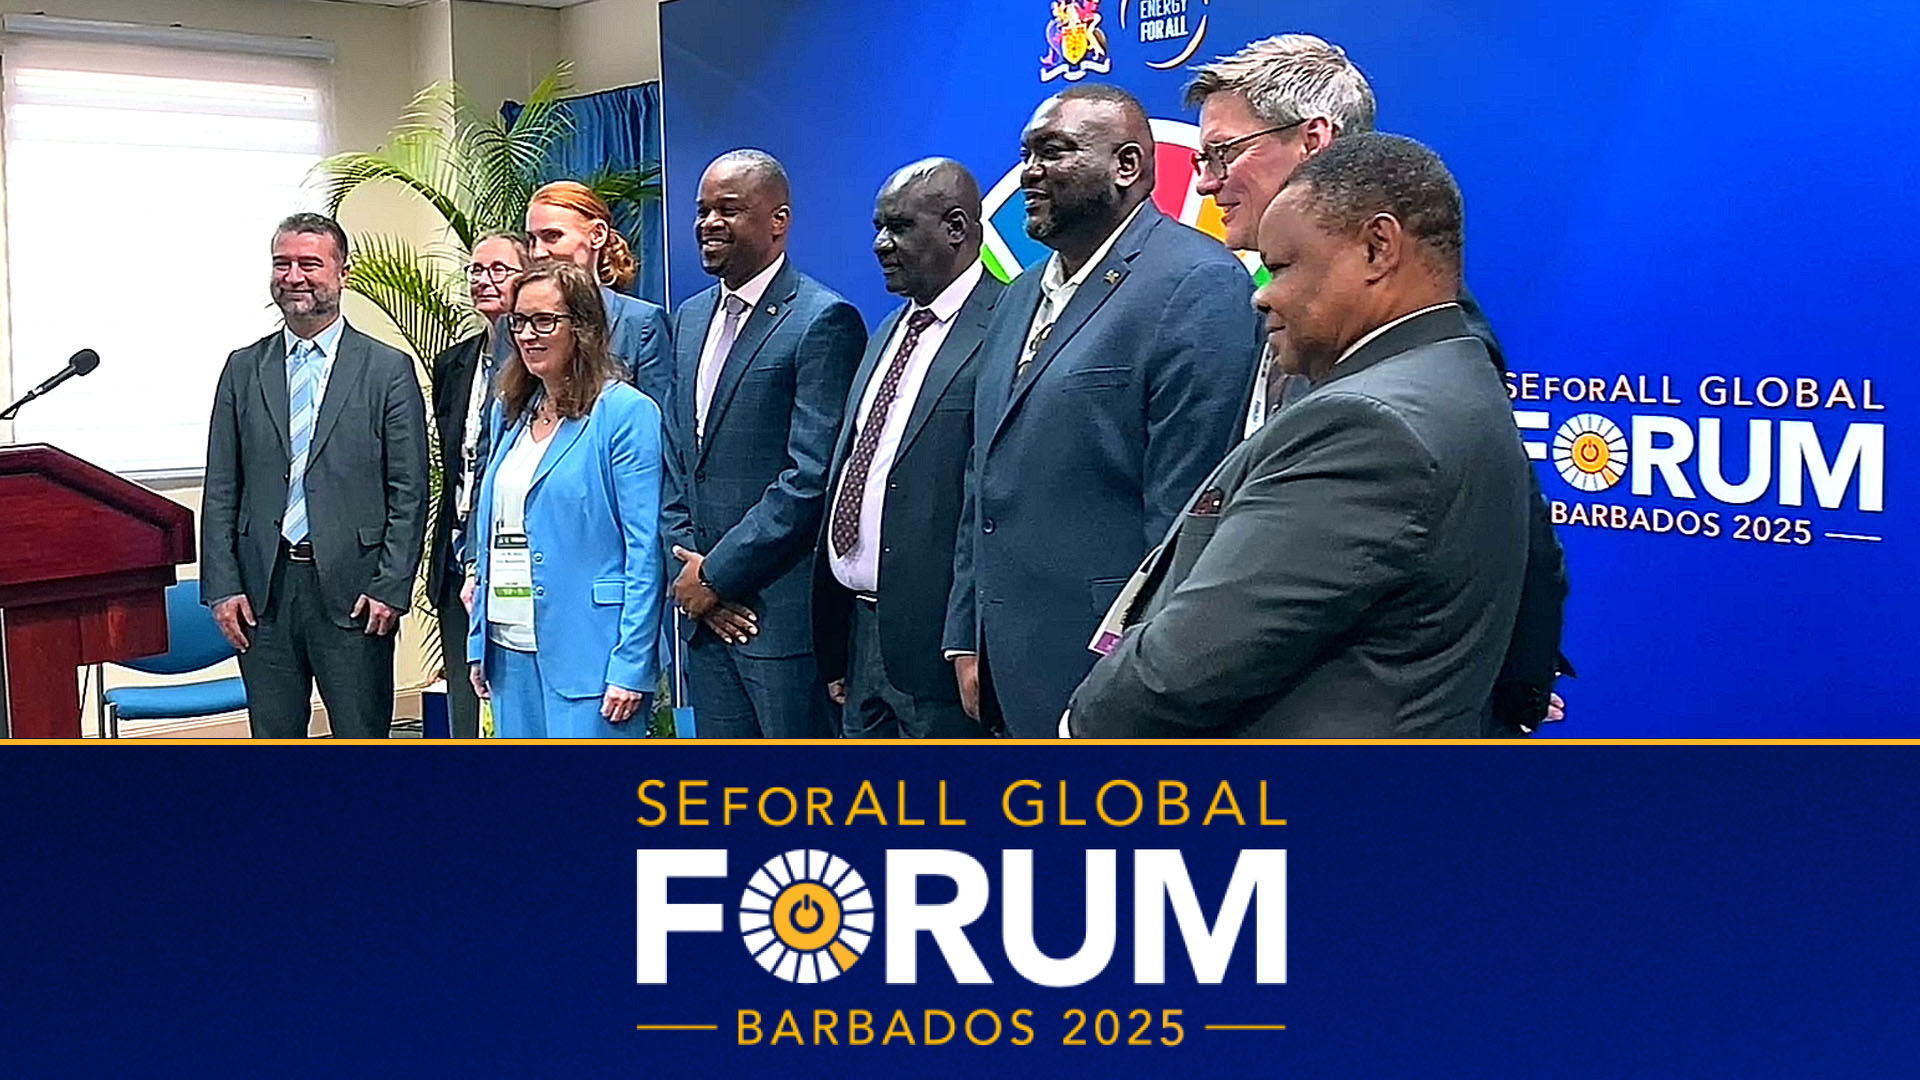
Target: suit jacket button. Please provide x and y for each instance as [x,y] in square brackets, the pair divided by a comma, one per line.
[986,526]
[539,590]
[539,558]
[701,475]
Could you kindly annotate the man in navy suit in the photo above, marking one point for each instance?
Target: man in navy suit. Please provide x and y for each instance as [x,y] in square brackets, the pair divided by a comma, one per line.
[762,364]
[885,564]
[1111,382]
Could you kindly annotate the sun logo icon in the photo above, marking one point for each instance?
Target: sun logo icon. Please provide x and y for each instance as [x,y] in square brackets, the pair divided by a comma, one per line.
[806,916]
[1590,451]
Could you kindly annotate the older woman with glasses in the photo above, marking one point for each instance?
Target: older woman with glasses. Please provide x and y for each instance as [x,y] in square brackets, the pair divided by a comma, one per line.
[567,601]
[462,380]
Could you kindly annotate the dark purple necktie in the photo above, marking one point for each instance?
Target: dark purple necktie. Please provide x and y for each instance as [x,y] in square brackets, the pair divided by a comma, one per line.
[853,483]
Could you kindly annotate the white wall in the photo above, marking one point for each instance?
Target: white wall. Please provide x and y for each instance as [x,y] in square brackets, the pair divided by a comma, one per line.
[612,43]
[384,55]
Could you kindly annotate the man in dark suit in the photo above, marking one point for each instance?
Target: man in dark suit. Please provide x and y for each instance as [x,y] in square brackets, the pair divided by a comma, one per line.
[1110,384]
[1353,569]
[316,501]
[1263,111]
[462,377]
[762,364]
[884,570]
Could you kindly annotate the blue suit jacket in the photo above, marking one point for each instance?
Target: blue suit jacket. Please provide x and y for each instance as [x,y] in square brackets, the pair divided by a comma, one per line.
[750,494]
[642,341]
[593,515]
[638,337]
[1139,391]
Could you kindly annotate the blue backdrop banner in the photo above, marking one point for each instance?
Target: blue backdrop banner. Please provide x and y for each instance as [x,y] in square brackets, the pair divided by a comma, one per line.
[1074,911]
[1688,222]
[616,130]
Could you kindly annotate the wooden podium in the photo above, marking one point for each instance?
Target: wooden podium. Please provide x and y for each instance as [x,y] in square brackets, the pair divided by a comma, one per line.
[85,561]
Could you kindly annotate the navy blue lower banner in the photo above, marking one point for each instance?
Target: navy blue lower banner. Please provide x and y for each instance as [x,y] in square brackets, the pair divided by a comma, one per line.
[847,911]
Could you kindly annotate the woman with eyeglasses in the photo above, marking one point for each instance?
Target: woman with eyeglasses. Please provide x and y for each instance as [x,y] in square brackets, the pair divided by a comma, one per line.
[567,601]
[568,222]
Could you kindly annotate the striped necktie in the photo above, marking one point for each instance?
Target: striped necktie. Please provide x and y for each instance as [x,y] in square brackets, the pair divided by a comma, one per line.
[303,408]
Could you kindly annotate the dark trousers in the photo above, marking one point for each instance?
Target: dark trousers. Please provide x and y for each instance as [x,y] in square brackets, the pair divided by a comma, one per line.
[297,645]
[877,709]
[463,707]
[747,697]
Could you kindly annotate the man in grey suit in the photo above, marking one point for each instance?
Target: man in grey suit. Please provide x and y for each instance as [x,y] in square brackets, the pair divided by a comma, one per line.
[1353,569]
[316,501]
[1264,110]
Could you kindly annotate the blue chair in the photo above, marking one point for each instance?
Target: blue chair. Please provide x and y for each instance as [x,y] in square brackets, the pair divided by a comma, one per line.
[195,643]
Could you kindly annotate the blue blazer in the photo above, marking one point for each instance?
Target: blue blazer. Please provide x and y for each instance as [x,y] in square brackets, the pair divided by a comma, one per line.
[642,341]
[1139,391]
[750,494]
[593,514]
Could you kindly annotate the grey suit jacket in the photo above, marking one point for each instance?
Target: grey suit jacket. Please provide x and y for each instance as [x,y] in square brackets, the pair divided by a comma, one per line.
[366,478]
[1350,571]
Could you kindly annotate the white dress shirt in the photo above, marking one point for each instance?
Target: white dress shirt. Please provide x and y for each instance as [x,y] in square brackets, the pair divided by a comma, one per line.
[511,482]
[1057,290]
[859,569]
[710,363]
[328,342]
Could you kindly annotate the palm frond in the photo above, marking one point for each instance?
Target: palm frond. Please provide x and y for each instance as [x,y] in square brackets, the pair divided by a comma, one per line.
[412,288]
[632,187]
[507,163]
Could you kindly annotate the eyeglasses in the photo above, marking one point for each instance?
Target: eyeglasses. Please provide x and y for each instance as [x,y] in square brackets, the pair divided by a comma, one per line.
[543,322]
[1213,159]
[496,273]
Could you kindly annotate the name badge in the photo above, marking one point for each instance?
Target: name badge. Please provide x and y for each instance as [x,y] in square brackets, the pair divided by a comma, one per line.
[510,580]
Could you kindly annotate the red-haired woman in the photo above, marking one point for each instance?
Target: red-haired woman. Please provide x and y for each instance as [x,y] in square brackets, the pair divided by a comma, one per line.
[568,222]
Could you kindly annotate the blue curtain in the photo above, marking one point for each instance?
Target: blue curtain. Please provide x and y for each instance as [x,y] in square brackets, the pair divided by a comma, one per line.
[618,130]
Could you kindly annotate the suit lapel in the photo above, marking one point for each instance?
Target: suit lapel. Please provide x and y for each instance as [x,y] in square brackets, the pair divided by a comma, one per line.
[760,324]
[349,371]
[1014,316]
[1102,283]
[563,440]
[273,388]
[689,339]
[969,329]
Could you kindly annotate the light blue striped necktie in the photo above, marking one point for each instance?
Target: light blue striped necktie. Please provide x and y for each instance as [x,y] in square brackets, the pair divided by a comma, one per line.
[303,407]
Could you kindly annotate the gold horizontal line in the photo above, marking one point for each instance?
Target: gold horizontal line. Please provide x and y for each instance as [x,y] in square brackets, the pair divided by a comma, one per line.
[676,1027]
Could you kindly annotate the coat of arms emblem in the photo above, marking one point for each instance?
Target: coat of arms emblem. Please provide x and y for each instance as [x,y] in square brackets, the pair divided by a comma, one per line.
[1075,42]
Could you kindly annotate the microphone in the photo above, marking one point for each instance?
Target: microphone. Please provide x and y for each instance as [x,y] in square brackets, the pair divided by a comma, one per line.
[80,363]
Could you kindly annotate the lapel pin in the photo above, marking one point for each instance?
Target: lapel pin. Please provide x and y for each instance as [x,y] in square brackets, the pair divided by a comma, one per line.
[1113,277]
[773,309]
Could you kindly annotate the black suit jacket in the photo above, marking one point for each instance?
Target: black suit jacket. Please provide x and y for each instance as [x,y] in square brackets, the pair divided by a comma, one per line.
[1352,570]
[925,493]
[1533,657]
[366,478]
[453,373]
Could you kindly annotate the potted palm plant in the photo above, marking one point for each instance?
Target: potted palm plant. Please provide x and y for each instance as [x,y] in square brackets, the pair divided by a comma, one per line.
[477,173]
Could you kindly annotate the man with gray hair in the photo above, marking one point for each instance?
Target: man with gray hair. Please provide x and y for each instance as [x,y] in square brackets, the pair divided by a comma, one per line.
[1263,111]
